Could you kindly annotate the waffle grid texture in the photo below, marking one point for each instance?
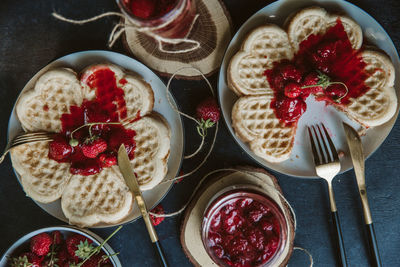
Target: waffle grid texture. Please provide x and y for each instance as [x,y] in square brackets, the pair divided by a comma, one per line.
[253,119]
[103,197]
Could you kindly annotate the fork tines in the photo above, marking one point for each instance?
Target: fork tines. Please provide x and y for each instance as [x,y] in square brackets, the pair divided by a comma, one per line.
[31,137]
[321,152]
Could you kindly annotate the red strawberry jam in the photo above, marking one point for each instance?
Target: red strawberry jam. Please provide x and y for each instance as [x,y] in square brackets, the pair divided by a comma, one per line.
[331,55]
[243,228]
[96,145]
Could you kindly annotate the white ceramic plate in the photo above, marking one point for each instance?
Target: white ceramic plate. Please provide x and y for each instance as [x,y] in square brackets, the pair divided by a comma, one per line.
[19,245]
[78,61]
[300,162]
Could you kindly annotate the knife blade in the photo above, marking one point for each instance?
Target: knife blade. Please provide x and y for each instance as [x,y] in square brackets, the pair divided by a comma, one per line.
[125,167]
[357,157]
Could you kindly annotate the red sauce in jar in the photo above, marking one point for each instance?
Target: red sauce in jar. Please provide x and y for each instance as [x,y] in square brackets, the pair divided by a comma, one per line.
[330,54]
[243,232]
[107,107]
[146,9]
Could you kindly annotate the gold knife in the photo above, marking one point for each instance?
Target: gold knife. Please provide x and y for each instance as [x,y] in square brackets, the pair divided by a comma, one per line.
[357,156]
[125,167]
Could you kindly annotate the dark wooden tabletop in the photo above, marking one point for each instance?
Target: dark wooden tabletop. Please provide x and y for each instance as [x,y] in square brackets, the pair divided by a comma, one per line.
[30,38]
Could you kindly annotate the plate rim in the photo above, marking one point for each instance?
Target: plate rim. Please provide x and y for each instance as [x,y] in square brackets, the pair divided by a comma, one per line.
[85,232]
[97,52]
[225,60]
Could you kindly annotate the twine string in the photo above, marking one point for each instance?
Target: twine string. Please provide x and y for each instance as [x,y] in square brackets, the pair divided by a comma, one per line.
[308,254]
[191,118]
[233,170]
[120,28]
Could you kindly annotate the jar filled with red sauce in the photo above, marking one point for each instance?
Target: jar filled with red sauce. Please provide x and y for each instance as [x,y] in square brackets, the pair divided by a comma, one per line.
[243,226]
[167,18]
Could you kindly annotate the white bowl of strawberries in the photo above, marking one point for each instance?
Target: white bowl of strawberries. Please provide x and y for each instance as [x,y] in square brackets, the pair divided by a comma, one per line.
[62,246]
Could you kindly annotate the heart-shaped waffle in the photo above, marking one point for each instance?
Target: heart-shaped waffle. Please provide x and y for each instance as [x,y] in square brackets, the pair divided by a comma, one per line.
[40,109]
[102,197]
[254,116]
[264,46]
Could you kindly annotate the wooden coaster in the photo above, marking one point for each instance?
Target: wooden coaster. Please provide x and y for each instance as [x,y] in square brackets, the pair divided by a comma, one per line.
[212,30]
[190,234]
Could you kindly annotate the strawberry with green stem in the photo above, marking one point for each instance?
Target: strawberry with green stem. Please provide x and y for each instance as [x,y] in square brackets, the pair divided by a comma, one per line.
[324,82]
[87,250]
[74,142]
[207,113]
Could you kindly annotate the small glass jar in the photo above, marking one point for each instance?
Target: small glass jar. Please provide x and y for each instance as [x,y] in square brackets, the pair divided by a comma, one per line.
[175,23]
[258,239]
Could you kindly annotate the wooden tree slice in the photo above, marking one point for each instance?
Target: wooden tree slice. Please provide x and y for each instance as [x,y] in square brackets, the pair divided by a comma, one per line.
[213,30]
[190,234]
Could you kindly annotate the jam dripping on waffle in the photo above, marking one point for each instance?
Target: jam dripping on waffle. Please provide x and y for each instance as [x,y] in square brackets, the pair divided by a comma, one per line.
[97,144]
[329,56]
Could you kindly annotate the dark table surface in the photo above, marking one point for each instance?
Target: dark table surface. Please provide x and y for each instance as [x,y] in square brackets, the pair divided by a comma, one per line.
[30,38]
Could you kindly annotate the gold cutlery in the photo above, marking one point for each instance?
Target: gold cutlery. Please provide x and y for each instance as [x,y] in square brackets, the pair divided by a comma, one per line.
[130,178]
[327,165]
[357,156]
[26,138]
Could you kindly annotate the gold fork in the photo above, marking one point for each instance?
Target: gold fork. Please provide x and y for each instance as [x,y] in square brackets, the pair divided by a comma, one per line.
[42,136]
[327,165]
[26,138]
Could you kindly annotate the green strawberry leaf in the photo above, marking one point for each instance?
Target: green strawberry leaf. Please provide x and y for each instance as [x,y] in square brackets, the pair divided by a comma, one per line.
[84,249]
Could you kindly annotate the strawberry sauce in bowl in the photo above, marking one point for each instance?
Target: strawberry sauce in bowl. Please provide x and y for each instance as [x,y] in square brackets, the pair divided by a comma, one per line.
[242,226]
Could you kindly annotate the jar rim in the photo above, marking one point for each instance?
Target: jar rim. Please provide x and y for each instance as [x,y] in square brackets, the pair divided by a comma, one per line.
[221,198]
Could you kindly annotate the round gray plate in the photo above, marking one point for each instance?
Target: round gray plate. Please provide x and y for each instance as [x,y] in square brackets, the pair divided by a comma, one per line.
[78,61]
[300,163]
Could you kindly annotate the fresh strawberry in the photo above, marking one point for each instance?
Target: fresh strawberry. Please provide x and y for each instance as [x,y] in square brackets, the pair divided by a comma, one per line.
[208,110]
[208,113]
[72,243]
[292,90]
[290,109]
[336,91]
[40,244]
[27,259]
[107,160]
[62,256]
[94,261]
[56,237]
[143,8]
[312,79]
[158,210]
[290,72]
[92,149]
[35,260]
[59,149]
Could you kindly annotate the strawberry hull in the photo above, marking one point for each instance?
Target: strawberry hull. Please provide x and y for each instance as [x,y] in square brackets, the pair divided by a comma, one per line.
[23,245]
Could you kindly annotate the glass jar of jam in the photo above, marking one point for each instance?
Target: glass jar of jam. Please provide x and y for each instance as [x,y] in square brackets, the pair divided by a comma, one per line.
[242,226]
[169,19]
